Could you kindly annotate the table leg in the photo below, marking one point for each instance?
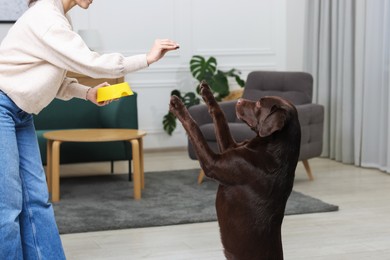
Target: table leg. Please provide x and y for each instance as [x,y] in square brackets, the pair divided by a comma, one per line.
[141,156]
[137,169]
[55,171]
[48,164]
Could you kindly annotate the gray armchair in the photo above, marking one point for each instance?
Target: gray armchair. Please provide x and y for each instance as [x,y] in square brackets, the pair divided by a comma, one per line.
[294,86]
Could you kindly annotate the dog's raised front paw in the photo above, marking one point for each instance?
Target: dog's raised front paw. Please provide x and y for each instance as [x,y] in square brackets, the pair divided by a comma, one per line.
[176,106]
[204,86]
[175,103]
[206,92]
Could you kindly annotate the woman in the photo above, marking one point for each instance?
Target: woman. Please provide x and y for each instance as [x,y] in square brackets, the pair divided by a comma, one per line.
[34,58]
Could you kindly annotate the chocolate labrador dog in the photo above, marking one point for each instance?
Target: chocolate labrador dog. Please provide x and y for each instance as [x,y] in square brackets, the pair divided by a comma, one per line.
[255,177]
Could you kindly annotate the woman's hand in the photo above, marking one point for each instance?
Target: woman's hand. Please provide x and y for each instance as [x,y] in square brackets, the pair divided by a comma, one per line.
[159,49]
[92,95]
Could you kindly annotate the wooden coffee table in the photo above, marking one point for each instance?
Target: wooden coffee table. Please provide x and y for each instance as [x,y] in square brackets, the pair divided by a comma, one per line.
[55,138]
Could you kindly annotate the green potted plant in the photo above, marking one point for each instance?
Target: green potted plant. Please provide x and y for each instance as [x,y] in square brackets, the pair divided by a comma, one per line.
[203,69]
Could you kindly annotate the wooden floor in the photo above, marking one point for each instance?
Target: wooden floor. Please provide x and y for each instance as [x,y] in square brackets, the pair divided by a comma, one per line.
[359,230]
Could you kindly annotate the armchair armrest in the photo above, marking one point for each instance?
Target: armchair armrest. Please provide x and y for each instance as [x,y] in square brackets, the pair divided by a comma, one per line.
[120,114]
[309,114]
[201,115]
[311,119]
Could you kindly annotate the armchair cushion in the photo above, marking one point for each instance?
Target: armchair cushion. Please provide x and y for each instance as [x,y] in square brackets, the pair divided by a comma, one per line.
[240,132]
[294,86]
[201,116]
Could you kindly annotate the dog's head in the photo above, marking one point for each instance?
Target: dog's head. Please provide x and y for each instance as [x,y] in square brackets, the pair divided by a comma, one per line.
[266,116]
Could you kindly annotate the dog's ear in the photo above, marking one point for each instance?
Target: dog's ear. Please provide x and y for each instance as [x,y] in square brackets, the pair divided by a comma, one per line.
[273,122]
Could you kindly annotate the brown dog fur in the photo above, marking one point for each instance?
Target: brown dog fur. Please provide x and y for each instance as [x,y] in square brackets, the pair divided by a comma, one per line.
[255,177]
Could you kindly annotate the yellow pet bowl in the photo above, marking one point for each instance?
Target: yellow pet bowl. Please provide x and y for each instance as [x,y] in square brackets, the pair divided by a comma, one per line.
[114,91]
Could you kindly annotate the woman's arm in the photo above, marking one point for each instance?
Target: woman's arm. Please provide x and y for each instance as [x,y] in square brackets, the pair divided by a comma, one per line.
[67,50]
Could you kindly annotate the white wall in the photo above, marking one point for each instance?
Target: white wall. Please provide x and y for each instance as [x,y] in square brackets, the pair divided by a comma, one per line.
[295,34]
[247,35]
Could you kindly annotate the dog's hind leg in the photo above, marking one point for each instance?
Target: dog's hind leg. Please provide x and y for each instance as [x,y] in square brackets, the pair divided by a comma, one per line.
[222,131]
[204,153]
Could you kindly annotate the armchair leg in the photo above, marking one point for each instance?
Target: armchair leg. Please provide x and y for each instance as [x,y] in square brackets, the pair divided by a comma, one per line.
[308,170]
[200,176]
[112,167]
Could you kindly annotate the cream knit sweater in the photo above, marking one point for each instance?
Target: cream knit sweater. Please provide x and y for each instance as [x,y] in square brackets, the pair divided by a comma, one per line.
[38,51]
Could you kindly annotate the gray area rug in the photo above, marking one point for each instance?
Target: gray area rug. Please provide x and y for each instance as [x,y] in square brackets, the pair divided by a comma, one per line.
[106,202]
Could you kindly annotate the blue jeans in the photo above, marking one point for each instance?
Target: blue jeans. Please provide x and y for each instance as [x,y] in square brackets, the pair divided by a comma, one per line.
[27,225]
